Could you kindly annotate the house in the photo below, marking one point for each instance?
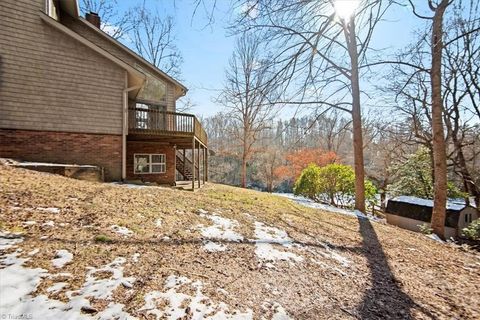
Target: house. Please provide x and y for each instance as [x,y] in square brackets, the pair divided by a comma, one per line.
[410,212]
[69,93]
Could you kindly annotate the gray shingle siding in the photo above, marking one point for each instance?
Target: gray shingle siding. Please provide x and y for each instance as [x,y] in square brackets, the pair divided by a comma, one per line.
[50,81]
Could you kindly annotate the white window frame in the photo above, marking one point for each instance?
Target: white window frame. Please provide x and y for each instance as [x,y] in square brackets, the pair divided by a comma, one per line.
[150,163]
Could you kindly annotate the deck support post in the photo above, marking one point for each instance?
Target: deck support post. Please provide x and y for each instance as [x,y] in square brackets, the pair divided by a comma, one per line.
[193,164]
[198,164]
[175,165]
[184,163]
[206,164]
[203,164]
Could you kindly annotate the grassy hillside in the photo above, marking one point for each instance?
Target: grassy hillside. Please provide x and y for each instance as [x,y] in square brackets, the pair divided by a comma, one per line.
[221,251]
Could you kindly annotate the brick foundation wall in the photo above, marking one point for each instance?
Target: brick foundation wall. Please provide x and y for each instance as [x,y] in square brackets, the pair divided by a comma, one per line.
[64,147]
[134,147]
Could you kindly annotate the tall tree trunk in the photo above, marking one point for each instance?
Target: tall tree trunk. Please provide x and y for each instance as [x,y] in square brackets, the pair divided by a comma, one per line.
[349,30]
[439,146]
[243,178]
[243,171]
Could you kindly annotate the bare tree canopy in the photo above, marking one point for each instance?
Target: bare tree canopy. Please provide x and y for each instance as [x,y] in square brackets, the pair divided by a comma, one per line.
[153,38]
[144,30]
[250,94]
[318,50]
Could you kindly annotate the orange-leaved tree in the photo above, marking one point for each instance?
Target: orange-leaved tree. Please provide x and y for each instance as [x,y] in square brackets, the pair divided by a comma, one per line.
[298,160]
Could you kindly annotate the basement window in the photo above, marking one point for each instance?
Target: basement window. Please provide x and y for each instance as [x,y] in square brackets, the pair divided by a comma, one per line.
[149,163]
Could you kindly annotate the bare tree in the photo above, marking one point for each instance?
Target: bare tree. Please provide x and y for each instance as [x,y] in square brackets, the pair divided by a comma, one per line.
[142,29]
[267,162]
[114,23]
[382,153]
[224,163]
[460,102]
[153,38]
[431,95]
[320,56]
[249,95]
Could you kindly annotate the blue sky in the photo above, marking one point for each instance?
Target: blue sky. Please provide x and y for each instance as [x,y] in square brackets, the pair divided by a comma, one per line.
[206,49]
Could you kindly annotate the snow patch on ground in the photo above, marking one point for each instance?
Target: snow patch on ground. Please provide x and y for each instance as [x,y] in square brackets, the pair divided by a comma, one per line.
[211,246]
[328,267]
[222,229]
[172,303]
[315,205]
[135,257]
[48,224]
[124,231]
[62,257]
[57,287]
[19,282]
[133,185]
[433,236]
[264,244]
[34,252]
[331,254]
[49,210]
[8,240]
[276,311]
[101,288]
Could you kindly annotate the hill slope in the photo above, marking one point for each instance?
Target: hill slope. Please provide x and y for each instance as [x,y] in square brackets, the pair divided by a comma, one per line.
[71,248]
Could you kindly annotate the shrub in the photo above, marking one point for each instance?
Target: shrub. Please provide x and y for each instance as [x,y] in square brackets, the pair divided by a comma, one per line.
[308,184]
[334,183]
[425,228]
[473,230]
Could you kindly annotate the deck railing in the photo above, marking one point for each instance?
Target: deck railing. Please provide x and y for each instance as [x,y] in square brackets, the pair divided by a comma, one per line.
[157,122]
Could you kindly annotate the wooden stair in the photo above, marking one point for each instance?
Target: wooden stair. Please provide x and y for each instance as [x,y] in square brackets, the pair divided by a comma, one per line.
[185,169]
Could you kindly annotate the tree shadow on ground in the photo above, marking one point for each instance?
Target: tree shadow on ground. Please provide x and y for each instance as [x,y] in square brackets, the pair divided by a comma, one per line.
[385,298]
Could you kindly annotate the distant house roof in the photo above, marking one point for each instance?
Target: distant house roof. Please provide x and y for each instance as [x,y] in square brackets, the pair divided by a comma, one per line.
[451,204]
[421,209]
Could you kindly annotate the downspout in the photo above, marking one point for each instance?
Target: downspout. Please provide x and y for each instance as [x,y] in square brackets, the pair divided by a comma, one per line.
[125,125]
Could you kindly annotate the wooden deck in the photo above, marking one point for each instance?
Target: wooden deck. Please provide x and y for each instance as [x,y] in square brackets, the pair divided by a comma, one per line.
[180,127]
[181,131]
